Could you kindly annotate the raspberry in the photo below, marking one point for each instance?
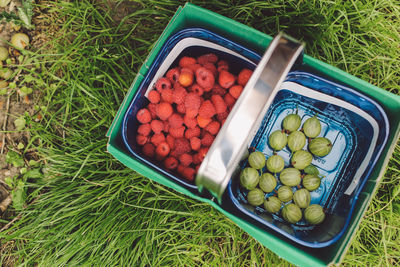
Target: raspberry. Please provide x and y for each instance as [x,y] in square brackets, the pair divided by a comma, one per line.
[192,101]
[171,141]
[181,108]
[157,126]
[222,116]
[203,122]
[163,83]
[177,132]
[207,58]
[213,127]
[202,153]
[211,67]
[244,76]
[197,159]
[182,146]
[185,159]
[190,122]
[218,90]
[180,169]
[207,140]
[194,67]
[156,139]
[141,139]
[205,78]
[223,65]
[226,79]
[164,110]
[197,168]
[173,75]
[186,77]
[148,149]
[188,173]
[171,163]
[194,132]
[219,103]
[162,149]
[154,96]
[175,121]
[179,94]
[143,115]
[207,109]
[144,129]
[196,88]
[186,61]
[191,113]
[167,95]
[236,90]
[166,126]
[152,108]
[195,143]
[229,100]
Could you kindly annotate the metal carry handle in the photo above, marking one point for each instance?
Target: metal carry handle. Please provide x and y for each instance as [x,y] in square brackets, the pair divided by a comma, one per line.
[245,118]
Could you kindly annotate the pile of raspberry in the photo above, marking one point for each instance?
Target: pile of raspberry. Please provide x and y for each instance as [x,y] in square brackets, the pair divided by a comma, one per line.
[187,108]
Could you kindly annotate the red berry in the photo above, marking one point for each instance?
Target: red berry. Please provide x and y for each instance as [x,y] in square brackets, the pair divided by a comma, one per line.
[188,173]
[141,139]
[211,67]
[171,141]
[186,77]
[154,96]
[218,90]
[181,108]
[173,75]
[192,132]
[222,116]
[229,100]
[196,88]
[175,121]
[195,143]
[226,79]
[144,129]
[167,95]
[207,109]
[186,61]
[192,101]
[177,132]
[219,103]
[163,83]
[185,159]
[207,58]
[162,149]
[244,76]
[203,122]
[179,95]
[148,149]
[223,65]
[205,78]
[164,110]
[156,139]
[190,122]
[171,163]
[157,126]
[182,146]
[236,90]
[194,67]
[213,127]
[207,140]
[143,115]
[152,108]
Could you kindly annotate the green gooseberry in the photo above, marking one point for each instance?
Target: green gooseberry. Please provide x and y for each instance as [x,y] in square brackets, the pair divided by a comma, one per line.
[272,204]
[296,141]
[249,178]
[302,198]
[267,182]
[291,122]
[314,214]
[290,177]
[275,164]
[320,146]
[311,182]
[312,127]
[285,193]
[291,213]
[311,169]
[255,197]
[20,40]
[301,159]
[257,160]
[277,140]
[3,53]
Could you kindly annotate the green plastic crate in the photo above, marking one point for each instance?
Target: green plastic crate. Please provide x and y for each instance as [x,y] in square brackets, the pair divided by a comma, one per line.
[193,16]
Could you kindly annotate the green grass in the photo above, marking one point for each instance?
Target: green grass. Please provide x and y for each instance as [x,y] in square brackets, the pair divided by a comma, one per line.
[91,210]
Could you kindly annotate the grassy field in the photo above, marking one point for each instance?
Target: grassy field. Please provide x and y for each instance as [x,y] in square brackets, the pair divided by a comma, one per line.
[89,209]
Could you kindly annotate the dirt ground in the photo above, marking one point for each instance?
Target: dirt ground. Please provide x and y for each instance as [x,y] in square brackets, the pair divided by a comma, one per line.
[13,105]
